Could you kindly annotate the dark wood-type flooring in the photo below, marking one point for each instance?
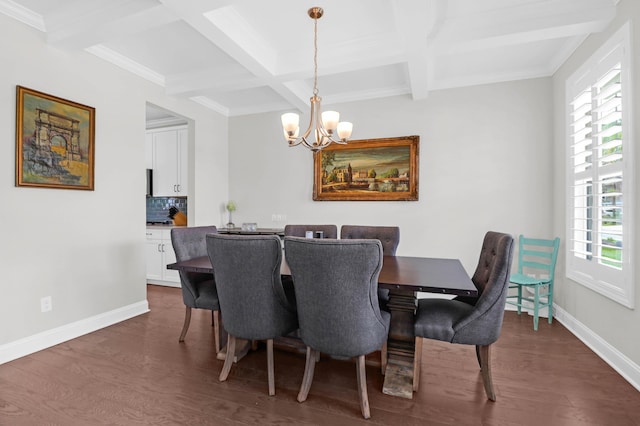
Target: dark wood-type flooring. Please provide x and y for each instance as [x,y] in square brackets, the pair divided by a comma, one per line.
[136,373]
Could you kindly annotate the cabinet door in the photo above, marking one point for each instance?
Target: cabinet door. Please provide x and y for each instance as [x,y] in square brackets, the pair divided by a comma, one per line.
[165,163]
[154,259]
[183,162]
[169,256]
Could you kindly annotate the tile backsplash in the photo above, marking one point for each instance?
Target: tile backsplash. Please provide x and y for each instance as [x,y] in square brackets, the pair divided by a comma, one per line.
[158,207]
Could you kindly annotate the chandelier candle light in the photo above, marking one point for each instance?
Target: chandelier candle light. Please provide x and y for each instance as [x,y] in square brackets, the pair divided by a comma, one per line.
[323,124]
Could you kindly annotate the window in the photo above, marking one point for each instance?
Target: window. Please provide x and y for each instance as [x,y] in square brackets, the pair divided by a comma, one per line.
[600,172]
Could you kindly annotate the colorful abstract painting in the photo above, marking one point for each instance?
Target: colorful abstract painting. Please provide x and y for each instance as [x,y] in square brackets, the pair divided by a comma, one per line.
[54,141]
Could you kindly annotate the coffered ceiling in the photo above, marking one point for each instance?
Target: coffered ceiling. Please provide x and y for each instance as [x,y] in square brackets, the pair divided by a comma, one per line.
[249,56]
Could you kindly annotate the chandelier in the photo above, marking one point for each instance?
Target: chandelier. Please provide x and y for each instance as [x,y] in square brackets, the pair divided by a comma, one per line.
[323,125]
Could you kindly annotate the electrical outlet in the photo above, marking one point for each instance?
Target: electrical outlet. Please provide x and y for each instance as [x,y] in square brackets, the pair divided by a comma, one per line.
[46,304]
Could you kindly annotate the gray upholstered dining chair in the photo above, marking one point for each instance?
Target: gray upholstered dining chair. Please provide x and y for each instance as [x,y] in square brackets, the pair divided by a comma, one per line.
[252,300]
[336,284]
[389,236]
[476,324]
[329,231]
[198,289]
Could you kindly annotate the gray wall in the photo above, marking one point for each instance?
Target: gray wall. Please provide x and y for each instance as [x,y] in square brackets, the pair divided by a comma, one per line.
[617,325]
[85,249]
[485,164]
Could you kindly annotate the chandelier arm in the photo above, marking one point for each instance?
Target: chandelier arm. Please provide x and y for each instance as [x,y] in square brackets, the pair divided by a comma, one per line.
[312,112]
[320,132]
[294,142]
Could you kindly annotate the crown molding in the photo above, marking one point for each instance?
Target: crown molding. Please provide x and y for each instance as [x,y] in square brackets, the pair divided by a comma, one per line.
[126,64]
[165,122]
[22,14]
[204,101]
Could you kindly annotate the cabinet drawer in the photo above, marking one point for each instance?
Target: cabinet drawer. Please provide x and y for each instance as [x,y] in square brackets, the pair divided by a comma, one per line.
[156,234]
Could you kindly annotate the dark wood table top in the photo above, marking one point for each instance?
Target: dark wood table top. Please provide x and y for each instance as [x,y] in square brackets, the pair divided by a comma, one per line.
[258,231]
[400,273]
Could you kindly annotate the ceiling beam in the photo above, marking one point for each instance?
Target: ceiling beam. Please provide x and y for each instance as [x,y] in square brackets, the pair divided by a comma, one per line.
[220,79]
[524,24]
[418,23]
[76,20]
[229,32]
[107,25]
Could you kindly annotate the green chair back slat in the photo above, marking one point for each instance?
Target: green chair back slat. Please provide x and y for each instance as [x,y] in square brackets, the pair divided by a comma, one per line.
[544,254]
[540,255]
[536,265]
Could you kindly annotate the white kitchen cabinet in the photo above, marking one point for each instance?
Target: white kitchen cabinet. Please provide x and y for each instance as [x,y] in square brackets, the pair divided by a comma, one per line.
[170,157]
[159,252]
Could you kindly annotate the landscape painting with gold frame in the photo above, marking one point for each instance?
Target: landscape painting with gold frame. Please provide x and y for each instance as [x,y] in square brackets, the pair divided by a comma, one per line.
[373,169]
[54,141]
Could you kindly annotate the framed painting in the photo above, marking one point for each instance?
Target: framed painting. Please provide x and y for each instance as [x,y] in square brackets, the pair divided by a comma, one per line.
[54,141]
[368,170]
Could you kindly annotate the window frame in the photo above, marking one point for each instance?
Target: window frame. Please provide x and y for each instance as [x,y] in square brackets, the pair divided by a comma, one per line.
[616,284]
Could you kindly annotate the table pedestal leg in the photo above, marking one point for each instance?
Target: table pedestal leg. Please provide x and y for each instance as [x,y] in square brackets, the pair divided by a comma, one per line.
[242,345]
[398,378]
[242,348]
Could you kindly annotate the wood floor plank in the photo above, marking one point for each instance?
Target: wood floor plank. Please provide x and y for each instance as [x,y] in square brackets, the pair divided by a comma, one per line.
[136,373]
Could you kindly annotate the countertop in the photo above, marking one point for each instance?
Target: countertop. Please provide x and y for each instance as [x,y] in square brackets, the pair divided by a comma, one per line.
[164,226]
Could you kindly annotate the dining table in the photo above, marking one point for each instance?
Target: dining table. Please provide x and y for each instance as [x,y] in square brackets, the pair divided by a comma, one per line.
[404,277]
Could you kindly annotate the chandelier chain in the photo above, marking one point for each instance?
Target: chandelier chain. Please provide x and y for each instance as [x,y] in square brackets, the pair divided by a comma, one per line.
[315,56]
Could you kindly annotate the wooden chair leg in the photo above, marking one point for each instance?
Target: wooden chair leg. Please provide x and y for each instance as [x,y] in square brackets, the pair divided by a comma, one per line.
[383,358]
[484,352]
[215,315]
[309,368]
[185,327]
[362,387]
[519,299]
[228,359]
[417,363]
[478,356]
[270,368]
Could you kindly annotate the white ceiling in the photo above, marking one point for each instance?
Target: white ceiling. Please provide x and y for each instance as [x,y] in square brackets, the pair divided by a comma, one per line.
[249,56]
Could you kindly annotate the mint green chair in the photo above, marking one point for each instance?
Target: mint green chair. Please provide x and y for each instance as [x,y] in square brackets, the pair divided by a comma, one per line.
[536,268]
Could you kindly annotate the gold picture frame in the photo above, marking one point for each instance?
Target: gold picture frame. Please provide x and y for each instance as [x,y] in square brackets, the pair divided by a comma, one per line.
[383,169]
[55,141]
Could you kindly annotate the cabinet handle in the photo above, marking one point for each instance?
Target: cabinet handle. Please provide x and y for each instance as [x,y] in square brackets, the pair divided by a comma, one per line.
[163,248]
[175,188]
[179,189]
[160,251]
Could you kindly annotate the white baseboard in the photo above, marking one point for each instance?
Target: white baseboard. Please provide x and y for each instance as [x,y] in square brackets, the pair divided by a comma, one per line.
[617,360]
[37,342]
